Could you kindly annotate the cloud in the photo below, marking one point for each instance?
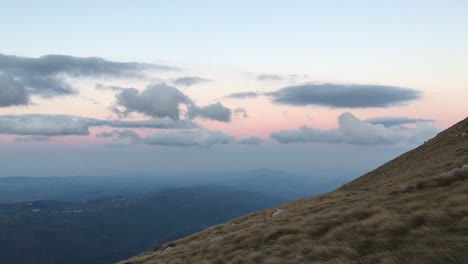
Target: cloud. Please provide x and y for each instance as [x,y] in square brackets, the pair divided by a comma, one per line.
[351,130]
[344,96]
[161,123]
[251,141]
[111,88]
[337,95]
[157,100]
[119,135]
[396,121]
[12,92]
[161,100]
[63,125]
[190,81]
[43,125]
[269,77]
[240,111]
[45,76]
[31,139]
[200,137]
[215,111]
[243,95]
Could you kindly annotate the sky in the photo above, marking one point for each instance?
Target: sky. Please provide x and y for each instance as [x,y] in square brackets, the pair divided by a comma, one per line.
[320,88]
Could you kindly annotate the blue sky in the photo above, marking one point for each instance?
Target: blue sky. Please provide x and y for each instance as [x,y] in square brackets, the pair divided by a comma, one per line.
[317,73]
[233,32]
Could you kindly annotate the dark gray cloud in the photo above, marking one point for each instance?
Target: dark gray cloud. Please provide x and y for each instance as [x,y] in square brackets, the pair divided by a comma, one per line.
[337,95]
[63,125]
[119,135]
[396,121]
[190,81]
[161,100]
[12,92]
[200,137]
[31,139]
[269,77]
[215,111]
[44,76]
[74,66]
[158,100]
[351,130]
[344,96]
[243,95]
[240,111]
[251,141]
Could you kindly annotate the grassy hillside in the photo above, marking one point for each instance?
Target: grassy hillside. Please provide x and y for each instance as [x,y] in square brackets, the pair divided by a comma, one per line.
[413,209]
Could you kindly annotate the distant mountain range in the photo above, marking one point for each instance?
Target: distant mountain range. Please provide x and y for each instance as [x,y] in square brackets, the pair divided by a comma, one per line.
[107,230]
[103,219]
[83,188]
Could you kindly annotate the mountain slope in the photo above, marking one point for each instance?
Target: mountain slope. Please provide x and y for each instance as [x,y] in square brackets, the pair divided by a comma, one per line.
[412,209]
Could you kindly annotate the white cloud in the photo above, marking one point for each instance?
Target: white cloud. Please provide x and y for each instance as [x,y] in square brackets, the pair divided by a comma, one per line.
[351,130]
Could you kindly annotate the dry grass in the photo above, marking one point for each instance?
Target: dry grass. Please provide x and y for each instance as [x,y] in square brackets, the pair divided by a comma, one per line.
[406,211]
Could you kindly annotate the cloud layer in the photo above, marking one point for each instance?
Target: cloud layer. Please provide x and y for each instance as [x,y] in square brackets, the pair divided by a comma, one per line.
[344,96]
[43,125]
[351,130]
[200,137]
[46,76]
[397,121]
[336,95]
[160,123]
[64,125]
